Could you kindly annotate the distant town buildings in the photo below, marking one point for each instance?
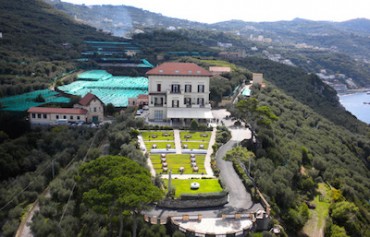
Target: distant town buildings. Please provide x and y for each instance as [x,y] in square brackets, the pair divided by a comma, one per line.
[219,70]
[179,92]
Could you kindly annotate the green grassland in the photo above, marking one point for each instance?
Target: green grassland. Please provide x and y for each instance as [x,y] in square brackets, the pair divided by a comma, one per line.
[195,136]
[195,145]
[157,135]
[160,145]
[182,186]
[316,223]
[175,161]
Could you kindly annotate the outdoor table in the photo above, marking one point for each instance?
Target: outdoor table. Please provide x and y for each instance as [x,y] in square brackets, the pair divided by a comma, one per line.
[154,146]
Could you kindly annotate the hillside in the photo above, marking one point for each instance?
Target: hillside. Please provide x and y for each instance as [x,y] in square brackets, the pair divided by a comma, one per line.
[38,43]
[338,48]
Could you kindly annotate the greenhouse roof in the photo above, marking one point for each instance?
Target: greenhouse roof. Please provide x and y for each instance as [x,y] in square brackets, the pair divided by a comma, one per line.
[94,75]
[116,89]
[25,101]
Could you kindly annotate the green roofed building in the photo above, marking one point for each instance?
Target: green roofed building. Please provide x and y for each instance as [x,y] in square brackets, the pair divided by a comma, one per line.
[116,90]
[94,75]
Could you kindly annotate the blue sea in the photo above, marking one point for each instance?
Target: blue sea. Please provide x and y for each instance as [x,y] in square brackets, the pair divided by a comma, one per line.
[358,104]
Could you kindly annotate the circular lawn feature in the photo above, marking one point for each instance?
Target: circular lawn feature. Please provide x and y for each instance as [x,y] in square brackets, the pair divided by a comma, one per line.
[194,185]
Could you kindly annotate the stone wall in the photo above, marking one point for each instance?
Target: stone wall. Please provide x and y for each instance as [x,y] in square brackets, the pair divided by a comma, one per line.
[211,201]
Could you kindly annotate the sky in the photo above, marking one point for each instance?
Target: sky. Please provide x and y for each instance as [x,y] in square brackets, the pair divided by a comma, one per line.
[211,11]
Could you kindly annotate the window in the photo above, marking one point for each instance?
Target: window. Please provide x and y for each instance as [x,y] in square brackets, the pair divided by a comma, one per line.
[71,117]
[39,116]
[64,117]
[78,117]
[45,116]
[33,115]
[187,88]
[158,115]
[175,103]
[187,101]
[200,101]
[201,88]
[94,109]
[175,88]
[159,88]
[57,116]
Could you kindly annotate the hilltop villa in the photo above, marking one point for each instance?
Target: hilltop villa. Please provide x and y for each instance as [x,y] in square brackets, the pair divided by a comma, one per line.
[89,109]
[179,92]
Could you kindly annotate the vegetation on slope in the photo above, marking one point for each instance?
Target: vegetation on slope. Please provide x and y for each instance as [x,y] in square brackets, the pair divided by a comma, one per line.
[38,44]
[302,148]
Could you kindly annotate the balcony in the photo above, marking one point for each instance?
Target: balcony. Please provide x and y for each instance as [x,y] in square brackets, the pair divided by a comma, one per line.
[158,105]
[175,91]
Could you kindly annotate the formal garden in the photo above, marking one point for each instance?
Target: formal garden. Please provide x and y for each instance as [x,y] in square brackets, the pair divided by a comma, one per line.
[160,145]
[185,163]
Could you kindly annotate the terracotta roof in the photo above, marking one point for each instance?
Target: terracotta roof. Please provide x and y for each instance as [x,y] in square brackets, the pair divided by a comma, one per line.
[143,97]
[87,99]
[47,110]
[179,69]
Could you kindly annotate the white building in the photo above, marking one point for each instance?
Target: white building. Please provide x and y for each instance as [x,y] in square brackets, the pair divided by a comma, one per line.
[90,109]
[179,92]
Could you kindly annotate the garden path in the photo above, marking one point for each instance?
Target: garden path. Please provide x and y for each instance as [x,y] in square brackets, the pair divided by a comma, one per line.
[176,134]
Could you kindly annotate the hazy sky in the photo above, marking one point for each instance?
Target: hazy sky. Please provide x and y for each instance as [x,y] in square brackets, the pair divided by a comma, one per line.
[210,11]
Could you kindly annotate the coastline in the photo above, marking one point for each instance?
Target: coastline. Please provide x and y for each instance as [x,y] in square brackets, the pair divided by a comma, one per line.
[353,91]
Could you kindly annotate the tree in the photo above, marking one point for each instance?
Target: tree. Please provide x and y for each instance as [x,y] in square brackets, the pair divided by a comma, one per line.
[39,98]
[115,185]
[194,125]
[109,109]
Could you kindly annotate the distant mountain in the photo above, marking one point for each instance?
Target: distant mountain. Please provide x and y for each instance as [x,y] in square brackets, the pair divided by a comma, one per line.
[334,47]
[120,20]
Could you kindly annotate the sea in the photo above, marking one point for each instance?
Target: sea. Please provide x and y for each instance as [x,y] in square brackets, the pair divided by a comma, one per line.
[358,104]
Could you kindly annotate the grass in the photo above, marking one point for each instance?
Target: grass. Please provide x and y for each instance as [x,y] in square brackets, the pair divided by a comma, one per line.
[175,161]
[157,135]
[182,186]
[195,136]
[160,145]
[316,223]
[195,145]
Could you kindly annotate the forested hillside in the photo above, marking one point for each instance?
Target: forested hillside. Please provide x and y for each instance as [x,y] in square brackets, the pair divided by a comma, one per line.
[38,44]
[304,137]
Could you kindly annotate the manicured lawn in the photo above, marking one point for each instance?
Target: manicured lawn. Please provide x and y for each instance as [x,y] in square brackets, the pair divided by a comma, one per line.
[195,136]
[195,145]
[160,145]
[157,135]
[175,161]
[182,186]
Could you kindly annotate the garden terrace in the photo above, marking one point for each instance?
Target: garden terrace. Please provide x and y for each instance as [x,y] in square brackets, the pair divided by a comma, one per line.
[157,136]
[183,186]
[176,161]
[188,136]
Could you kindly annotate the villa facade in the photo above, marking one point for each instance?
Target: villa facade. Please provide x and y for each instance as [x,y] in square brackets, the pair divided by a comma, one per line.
[179,92]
